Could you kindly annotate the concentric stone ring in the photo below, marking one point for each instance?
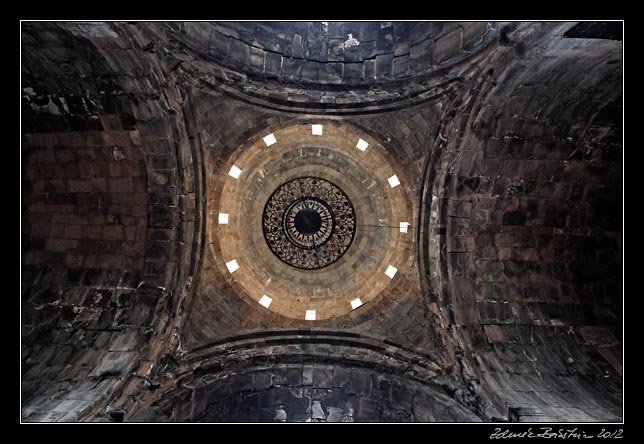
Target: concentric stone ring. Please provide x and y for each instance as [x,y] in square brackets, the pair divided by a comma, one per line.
[308,223]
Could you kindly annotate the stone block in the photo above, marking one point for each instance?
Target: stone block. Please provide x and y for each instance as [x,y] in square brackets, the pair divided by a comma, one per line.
[332,73]
[334,30]
[239,52]
[162,218]
[161,177]
[124,185]
[114,233]
[353,71]
[256,58]
[473,33]
[401,396]
[401,66]
[294,377]
[161,161]
[307,375]
[219,43]
[490,271]
[335,52]
[447,46]
[352,54]
[367,50]
[370,70]
[311,70]
[457,244]
[341,377]
[385,40]
[384,67]
[323,377]
[159,195]
[514,218]
[292,67]
[262,381]
[423,408]
[459,208]
[360,383]
[273,63]
[367,410]
[297,46]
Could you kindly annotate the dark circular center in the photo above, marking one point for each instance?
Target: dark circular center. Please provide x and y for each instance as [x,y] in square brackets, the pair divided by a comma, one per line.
[308,221]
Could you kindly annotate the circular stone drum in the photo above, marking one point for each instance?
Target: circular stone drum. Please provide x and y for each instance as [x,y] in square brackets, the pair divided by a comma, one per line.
[312,223]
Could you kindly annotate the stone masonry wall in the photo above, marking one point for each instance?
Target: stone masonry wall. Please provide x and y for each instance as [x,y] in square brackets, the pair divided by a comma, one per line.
[517,160]
[323,52]
[85,205]
[85,200]
[527,199]
[306,376]
[108,193]
[217,312]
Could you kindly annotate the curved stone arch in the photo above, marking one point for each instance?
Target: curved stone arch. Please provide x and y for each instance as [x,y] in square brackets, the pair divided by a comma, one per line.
[103,337]
[371,380]
[458,45]
[504,150]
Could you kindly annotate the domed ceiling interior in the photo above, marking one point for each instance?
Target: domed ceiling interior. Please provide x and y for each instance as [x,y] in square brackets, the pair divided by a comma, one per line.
[322,221]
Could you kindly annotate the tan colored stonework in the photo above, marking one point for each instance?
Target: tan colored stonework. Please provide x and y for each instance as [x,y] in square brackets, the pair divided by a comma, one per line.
[361,175]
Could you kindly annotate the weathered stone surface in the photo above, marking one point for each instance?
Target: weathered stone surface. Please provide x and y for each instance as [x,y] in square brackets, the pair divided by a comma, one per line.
[234,399]
[128,141]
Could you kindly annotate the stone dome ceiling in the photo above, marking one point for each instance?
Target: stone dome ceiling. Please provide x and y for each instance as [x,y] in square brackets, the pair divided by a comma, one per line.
[379,210]
[148,166]
[333,66]
[337,53]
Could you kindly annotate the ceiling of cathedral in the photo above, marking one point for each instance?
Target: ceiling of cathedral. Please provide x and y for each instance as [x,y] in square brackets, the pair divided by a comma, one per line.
[321,221]
[354,261]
